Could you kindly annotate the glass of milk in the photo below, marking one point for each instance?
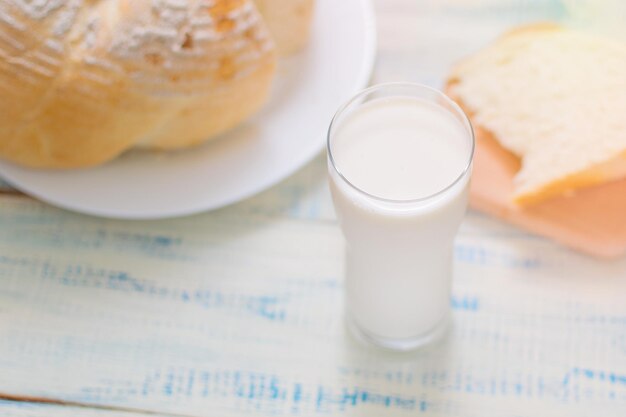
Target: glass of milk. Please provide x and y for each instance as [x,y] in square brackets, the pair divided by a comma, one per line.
[399,161]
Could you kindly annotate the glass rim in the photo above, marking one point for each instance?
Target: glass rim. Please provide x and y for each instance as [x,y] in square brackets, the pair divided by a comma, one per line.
[376,87]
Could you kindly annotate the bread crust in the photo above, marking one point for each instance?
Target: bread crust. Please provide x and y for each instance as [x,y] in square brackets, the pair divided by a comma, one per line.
[289,21]
[85,81]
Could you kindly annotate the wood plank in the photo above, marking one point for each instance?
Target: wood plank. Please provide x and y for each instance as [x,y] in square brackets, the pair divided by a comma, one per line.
[5,188]
[9,408]
[240,311]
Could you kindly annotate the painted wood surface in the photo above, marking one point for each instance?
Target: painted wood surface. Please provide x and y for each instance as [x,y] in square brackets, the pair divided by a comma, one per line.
[239,311]
[30,409]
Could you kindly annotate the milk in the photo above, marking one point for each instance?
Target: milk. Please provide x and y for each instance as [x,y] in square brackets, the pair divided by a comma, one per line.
[405,164]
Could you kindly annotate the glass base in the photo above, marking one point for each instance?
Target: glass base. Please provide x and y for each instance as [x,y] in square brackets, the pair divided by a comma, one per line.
[401,345]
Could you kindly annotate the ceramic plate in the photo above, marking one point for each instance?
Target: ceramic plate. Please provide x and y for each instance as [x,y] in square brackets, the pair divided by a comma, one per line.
[286,134]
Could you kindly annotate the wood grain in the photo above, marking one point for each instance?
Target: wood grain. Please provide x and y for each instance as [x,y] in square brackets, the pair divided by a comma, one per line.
[31,407]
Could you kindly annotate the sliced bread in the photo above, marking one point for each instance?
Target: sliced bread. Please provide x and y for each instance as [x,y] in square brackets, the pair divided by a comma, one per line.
[556,99]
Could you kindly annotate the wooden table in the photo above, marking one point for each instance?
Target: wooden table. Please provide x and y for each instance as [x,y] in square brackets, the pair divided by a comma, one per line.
[239,311]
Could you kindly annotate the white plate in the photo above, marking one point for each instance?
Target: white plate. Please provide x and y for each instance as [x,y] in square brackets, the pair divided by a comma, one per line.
[284,136]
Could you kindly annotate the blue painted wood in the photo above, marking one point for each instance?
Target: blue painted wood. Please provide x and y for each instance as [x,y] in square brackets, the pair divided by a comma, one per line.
[240,311]
[29,409]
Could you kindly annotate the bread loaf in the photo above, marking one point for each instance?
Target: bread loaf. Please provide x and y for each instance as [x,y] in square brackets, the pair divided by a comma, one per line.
[82,81]
[289,21]
[556,99]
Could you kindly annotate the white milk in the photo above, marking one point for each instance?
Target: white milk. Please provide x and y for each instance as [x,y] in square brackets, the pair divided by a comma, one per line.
[399,254]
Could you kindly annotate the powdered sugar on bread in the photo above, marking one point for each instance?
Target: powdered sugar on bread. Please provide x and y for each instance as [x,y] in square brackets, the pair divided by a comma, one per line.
[84,80]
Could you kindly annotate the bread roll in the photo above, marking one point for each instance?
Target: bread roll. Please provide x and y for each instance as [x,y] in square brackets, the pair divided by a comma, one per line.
[555,98]
[82,81]
[289,21]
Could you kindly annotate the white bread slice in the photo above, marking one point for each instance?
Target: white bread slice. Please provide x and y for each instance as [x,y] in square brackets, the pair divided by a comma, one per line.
[555,98]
